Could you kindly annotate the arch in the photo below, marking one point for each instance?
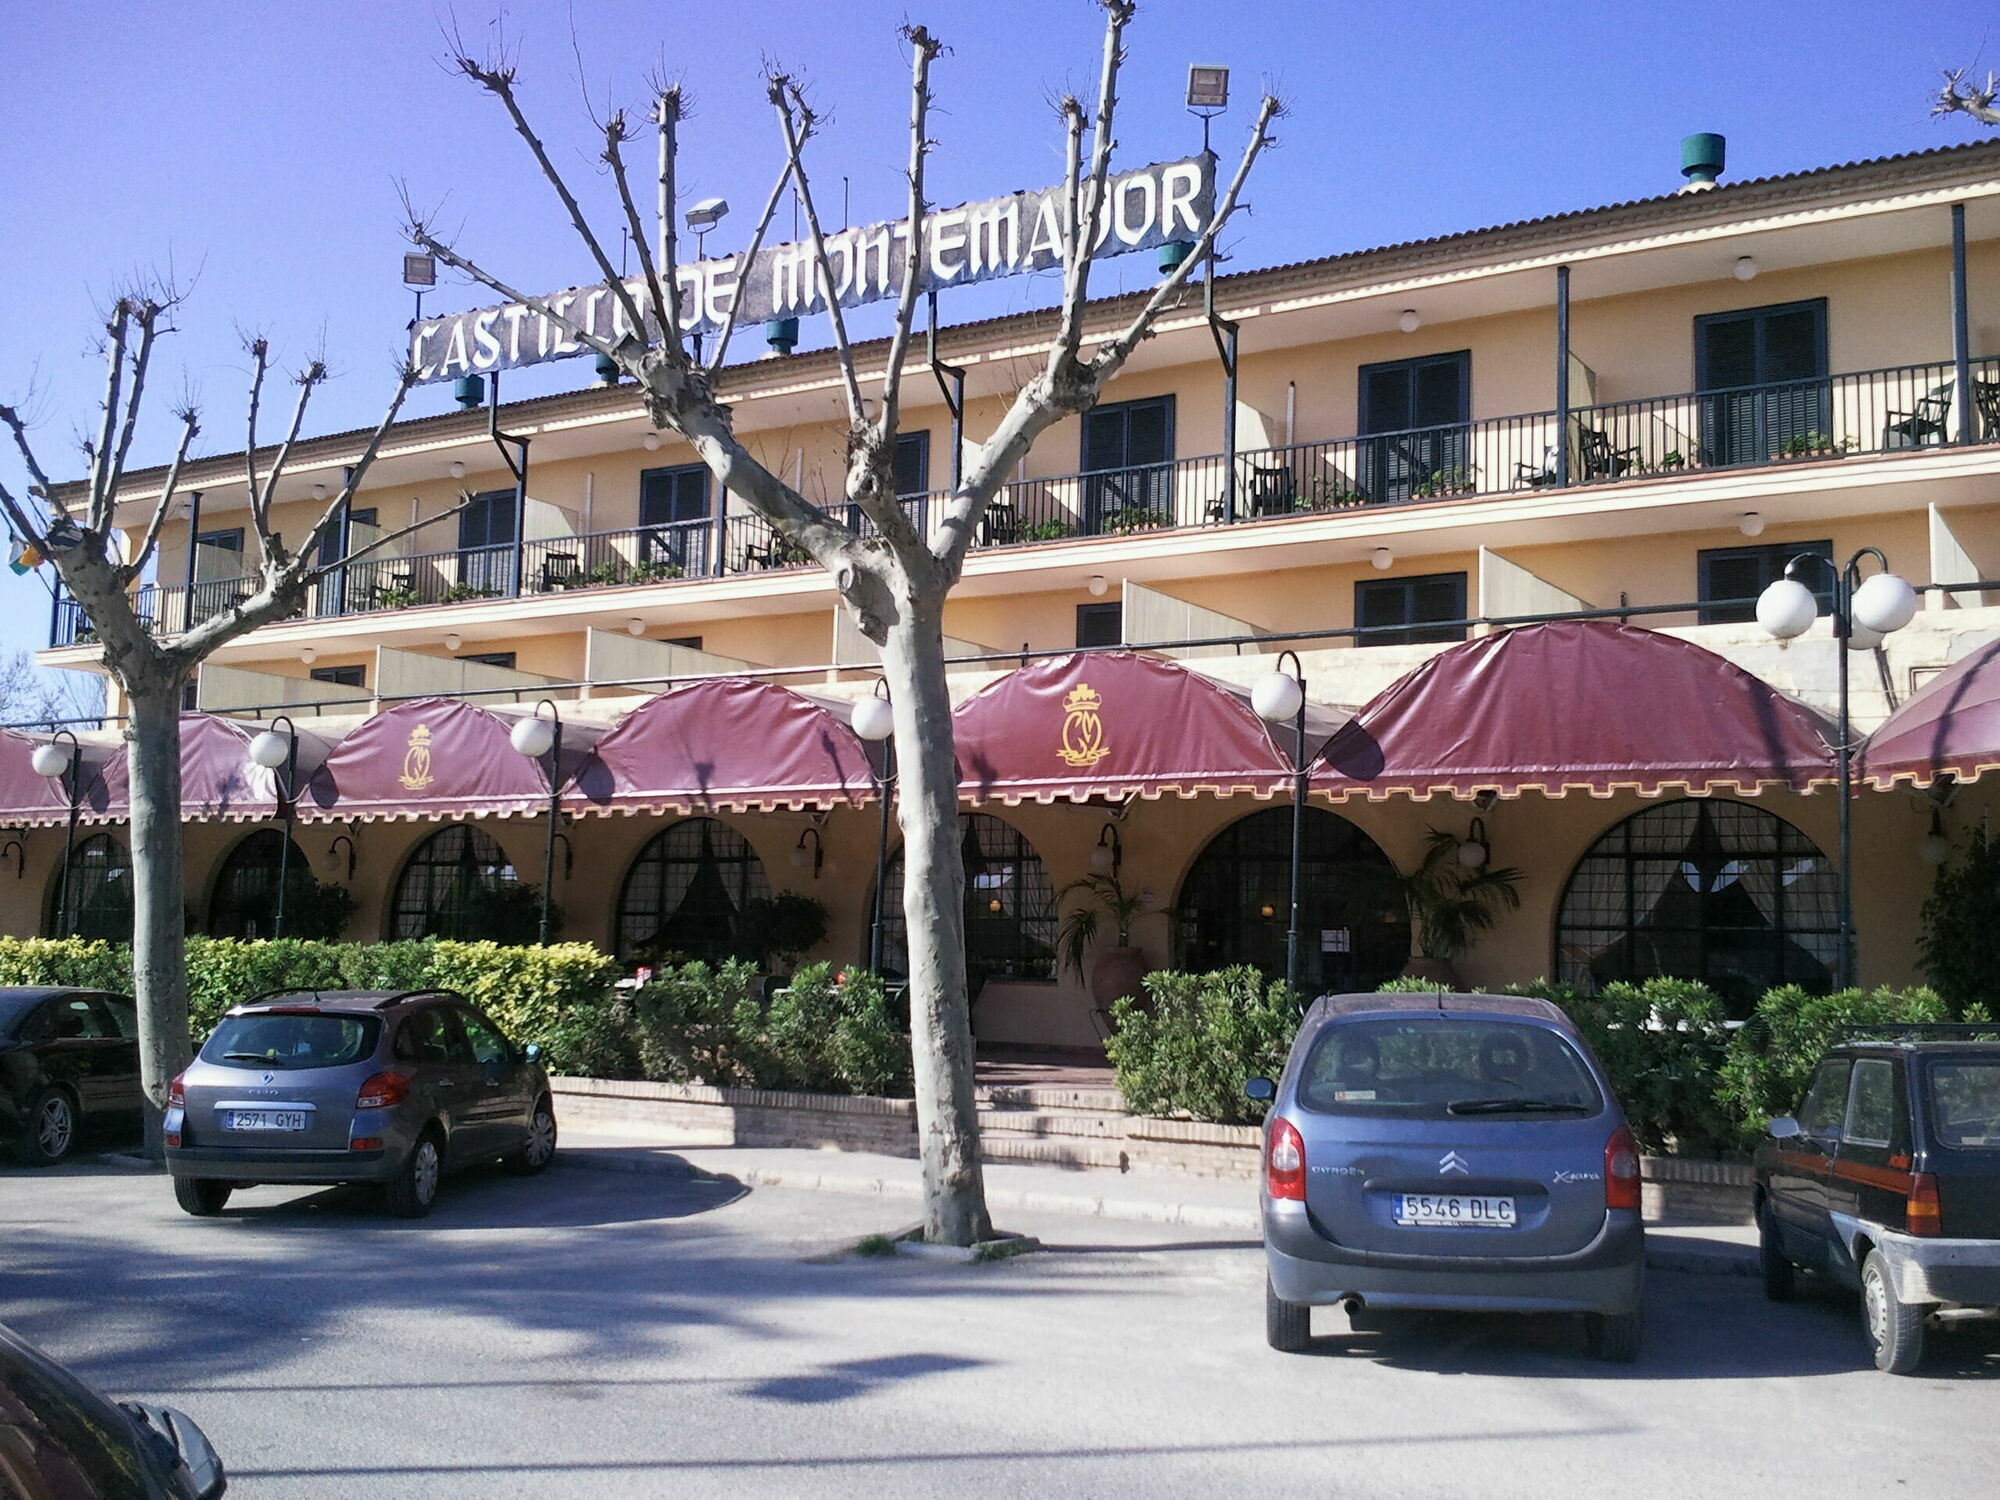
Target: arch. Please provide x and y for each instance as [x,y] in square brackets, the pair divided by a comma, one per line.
[685,890]
[458,883]
[1010,907]
[99,894]
[246,886]
[1235,903]
[1701,888]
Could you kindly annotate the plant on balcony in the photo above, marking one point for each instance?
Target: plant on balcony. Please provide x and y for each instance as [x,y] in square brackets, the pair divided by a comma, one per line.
[395,598]
[458,593]
[1438,482]
[1328,493]
[608,574]
[1673,460]
[653,570]
[1130,518]
[1047,531]
[1814,444]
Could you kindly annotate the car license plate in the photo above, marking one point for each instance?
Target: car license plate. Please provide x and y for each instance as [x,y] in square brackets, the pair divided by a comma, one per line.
[1454,1211]
[264,1119]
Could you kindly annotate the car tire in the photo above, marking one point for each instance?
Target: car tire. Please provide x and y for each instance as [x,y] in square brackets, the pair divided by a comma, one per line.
[48,1128]
[203,1197]
[414,1189]
[1287,1325]
[1612,1337]
[540,1147]
[1895,1327]
[1780,1276]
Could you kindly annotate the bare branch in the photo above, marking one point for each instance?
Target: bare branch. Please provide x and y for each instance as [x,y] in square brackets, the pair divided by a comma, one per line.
[749,259]
[18,520]
[118,331]
[190,425]
[406,377]
[148,320]
[669,107]
[795,119]
[465,499]
[41,487]
[260,509]
[616,134]
[259,349]
[423,239]
[1955,98]
[924,49]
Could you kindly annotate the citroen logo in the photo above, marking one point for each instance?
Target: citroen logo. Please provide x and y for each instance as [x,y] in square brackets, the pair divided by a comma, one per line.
[1451,1161]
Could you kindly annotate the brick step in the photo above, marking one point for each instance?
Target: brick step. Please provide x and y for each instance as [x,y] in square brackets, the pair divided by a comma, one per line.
[1121,1156]
[1064,1124]
[1049,1098]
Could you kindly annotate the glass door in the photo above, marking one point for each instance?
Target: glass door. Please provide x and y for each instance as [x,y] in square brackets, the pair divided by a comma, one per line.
[1414,427]
[1128,453]
[1763,377]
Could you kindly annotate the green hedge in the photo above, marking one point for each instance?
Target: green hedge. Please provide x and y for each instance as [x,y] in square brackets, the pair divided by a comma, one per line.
[1188,1045]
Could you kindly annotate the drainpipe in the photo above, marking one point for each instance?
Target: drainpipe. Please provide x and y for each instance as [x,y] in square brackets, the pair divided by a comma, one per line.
[1562,375]
[1961,333]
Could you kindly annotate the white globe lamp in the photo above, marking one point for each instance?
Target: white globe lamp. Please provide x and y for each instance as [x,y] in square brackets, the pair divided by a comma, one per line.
[50,760]
[874,720]
[1884,603]
[1277,697]
[534,737]
[1787,609]
[270,749]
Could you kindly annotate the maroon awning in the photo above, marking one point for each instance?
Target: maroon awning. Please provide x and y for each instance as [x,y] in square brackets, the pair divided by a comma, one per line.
[1575,705]
[1950,727]
[726,743]
[31,801]
[433,758]
[1115,724]
[218,778]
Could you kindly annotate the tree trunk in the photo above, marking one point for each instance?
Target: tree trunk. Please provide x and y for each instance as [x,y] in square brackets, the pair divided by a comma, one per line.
[934,919]
[159,944]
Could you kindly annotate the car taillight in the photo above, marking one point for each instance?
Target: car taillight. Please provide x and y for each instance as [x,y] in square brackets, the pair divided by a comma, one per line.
[1923,1213]
[383,1090]
[176,1093]
[1285,1162]
[1621,1170]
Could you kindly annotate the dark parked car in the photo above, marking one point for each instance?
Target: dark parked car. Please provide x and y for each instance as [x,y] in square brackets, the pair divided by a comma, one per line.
[60,1440]
[1448,1151]
[1888,1179]
[330,1086]
[69,1064]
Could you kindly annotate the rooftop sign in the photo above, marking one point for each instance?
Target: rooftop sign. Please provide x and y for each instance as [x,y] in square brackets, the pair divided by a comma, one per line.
[1009,236]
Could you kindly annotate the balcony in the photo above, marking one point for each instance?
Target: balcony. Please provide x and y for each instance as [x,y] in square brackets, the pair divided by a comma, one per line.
[1907,407]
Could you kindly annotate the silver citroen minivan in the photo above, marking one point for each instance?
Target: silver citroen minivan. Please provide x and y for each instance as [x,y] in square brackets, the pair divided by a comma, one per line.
[1448,1151]
[336,1086]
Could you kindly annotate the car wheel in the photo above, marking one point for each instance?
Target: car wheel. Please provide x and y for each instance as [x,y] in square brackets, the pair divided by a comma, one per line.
[48,1129]
[1895,1327]
[1780,1276]
[539,1149]
[412,1191]
[1287,1325]
[1612,1337]
[203,1197]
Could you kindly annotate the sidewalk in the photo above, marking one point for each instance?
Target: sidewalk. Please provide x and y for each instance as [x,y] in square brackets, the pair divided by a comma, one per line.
[1155,1198]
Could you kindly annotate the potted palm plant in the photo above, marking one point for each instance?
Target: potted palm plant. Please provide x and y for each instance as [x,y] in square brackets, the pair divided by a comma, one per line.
[1120,967]
[1451,901]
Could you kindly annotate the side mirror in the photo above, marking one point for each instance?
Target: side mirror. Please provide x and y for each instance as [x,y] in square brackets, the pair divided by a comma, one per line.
[1784,1128]
[1260,1089]
[532,1052]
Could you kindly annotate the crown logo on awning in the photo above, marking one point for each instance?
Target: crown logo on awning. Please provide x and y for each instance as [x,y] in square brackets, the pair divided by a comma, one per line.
[1083,730]
[417,760]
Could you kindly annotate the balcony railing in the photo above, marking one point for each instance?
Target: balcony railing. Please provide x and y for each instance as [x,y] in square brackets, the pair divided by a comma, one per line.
[1872,411]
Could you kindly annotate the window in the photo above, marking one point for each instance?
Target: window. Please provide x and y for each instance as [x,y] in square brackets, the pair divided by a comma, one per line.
[1128,452]
[490,658]
[486,532]
[425,1037]
[341,676]
[267,1040]
[1767,368]
[1100,624]
[913,463]
[1235,905]
[1871,1104]
[1010,907]
[673,504]
[1415,1067]
[190,696]
[685,891]
[488,1046]
[1701,888]
[1742,573]
[247,886]
[230,540]
[75,1019]
[458,884]
[95,901]
[1965,1105]
[1402,610]
[121,1013]
[1826,1101]
[1414,416]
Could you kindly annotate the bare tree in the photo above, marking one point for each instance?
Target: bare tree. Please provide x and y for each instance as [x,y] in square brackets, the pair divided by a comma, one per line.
[29,695]
[893,581]
[76,526]
[1959,97]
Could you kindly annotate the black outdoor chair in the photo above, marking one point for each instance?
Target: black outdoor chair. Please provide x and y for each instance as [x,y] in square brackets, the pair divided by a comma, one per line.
[1537,476]
[1000,526]
[1273,492]
[1915,429]
[1599,460]
[560,571]
[402,585]
[1986,396]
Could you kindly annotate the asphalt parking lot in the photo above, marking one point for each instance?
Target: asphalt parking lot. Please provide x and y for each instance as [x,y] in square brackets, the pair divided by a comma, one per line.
[607,1334]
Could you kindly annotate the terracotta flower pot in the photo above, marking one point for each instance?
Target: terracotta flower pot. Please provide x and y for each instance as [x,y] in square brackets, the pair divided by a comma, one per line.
[1118,971]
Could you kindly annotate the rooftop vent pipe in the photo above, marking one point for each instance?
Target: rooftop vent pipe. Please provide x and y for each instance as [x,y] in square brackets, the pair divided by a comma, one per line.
[1701,160]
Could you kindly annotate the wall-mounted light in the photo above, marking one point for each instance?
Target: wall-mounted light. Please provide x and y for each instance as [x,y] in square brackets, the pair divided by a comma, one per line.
[333,854]
[1098,586]
[651,442]
[994,906]
[1109,854]
[1267,911]
[308,655]
[1934,848]
[1408,321]
[319,492]
[802,856]
[635,627]
[1752,524]
[18,847]
[1208,87]
[1477,848]
[457,469]
[1745,268]
[453,640]
[1382,559]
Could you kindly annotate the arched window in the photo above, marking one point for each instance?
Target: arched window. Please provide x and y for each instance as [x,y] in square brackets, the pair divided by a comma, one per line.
[246,889]
[1235,905]
[96,901]
[1701,889]
[685,891]
[1010,908]
[457,884]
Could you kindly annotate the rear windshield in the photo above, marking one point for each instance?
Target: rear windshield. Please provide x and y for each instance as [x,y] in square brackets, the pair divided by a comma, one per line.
[1965,1105]
[1444,1067]
[13,1008]
[278,1041]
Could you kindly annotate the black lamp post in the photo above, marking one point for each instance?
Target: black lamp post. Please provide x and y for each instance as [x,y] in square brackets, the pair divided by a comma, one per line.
[537,737]
[875,721]
[273,750]
[1277,697]
[1864,611]
[58,761]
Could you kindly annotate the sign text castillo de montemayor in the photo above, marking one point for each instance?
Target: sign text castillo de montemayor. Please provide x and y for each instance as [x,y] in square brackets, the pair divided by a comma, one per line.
[1011,236]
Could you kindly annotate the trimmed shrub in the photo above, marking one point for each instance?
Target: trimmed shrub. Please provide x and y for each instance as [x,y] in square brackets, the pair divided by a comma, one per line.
[1190,1044]
[90,964]
[826,1035]
[1662,1042]
[1771,1059]
[595,1041]
[1960,945]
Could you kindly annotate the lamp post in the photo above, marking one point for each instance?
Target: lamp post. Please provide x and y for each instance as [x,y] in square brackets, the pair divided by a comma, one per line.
[271,750]
[1278,696]
[1864,611]
[536,737]
[58,761]
[875,721]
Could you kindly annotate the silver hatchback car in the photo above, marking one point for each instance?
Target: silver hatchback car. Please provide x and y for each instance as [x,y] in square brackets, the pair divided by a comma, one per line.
[339,1086]
[1448,1151]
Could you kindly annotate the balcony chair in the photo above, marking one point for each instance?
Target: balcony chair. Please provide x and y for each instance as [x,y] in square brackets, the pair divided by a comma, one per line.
[1538,476]
[1915,429]
[560,570]
[1986,396]
[1273,491]
[383,584]
[1000,526]
[1597,459]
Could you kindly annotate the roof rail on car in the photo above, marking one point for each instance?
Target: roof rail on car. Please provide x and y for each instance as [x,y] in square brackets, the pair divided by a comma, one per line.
[1918,1029]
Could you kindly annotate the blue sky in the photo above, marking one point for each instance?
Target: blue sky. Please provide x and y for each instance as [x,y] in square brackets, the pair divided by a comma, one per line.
[260,144]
